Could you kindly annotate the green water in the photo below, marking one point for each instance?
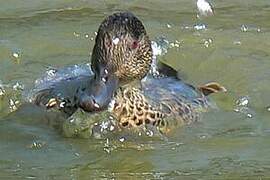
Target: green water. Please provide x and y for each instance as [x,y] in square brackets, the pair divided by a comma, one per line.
[224,144]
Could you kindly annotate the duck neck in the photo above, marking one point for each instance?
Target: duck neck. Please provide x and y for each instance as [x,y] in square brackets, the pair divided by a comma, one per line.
[134,84]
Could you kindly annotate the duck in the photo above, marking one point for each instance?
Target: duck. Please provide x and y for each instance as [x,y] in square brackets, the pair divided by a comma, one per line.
[121,81]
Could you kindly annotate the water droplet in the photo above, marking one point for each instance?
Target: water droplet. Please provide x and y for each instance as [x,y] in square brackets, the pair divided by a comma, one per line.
[115,41]
[169,26]
[111,106]
[122,139]
[76,34]
[242,101]
[244,28]
[31,177]
[62,104]
[160,46]
[199,27]
[149,133]
[11,103]
[2,91]
[18,86]
[104,126]
[242,107]
[37,144]
[15,54]
[96,105]
[204,8]
[156,49]
[106,150]
[51,72]
[237,43]
[208,42]
[111,128]
[202,136]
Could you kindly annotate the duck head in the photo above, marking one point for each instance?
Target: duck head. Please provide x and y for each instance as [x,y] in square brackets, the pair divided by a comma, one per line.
[122,53]
[122,47]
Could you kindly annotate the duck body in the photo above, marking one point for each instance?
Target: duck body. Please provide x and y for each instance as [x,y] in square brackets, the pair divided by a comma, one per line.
[164,103]
[120,78]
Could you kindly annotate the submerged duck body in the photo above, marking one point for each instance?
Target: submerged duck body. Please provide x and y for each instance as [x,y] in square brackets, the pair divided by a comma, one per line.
[121,60]
[163,102]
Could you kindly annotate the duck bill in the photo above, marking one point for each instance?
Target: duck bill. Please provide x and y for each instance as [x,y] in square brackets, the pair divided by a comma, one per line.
[100,93]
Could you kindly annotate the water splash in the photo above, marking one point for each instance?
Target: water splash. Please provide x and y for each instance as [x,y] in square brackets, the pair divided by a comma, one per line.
[242,106]
[15,55]
[244,28]
[13,104]
[207,42]
[160,46]
[108,146]
[175,44]
[37,144]
[169,26]
[250,28]
[205,8]
[115,40]
[2,91]
[53,76]
[18,86]
[199,27]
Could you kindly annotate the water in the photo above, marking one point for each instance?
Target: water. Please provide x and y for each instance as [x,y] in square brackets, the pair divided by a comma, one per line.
[231,47]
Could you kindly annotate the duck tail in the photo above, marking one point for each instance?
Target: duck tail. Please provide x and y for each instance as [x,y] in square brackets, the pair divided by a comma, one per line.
[167,70]
[212,87]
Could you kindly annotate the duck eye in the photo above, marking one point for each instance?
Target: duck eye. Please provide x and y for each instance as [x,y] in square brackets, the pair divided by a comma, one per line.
[108,44]
[134,44]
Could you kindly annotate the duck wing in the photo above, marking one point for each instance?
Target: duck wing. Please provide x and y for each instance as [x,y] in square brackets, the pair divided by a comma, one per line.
[74,87]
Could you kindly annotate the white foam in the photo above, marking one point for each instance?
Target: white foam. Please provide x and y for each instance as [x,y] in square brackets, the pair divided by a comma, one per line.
[115,41]
[204,8]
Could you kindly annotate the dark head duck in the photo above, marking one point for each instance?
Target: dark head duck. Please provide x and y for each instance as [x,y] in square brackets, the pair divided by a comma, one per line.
[123,50]
[122,53]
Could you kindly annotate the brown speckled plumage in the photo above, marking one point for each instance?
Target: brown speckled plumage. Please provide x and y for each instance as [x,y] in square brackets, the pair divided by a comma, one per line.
[133,108]
[122,47]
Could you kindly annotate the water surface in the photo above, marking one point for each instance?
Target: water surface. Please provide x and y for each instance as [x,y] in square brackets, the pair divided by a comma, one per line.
[229,142]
